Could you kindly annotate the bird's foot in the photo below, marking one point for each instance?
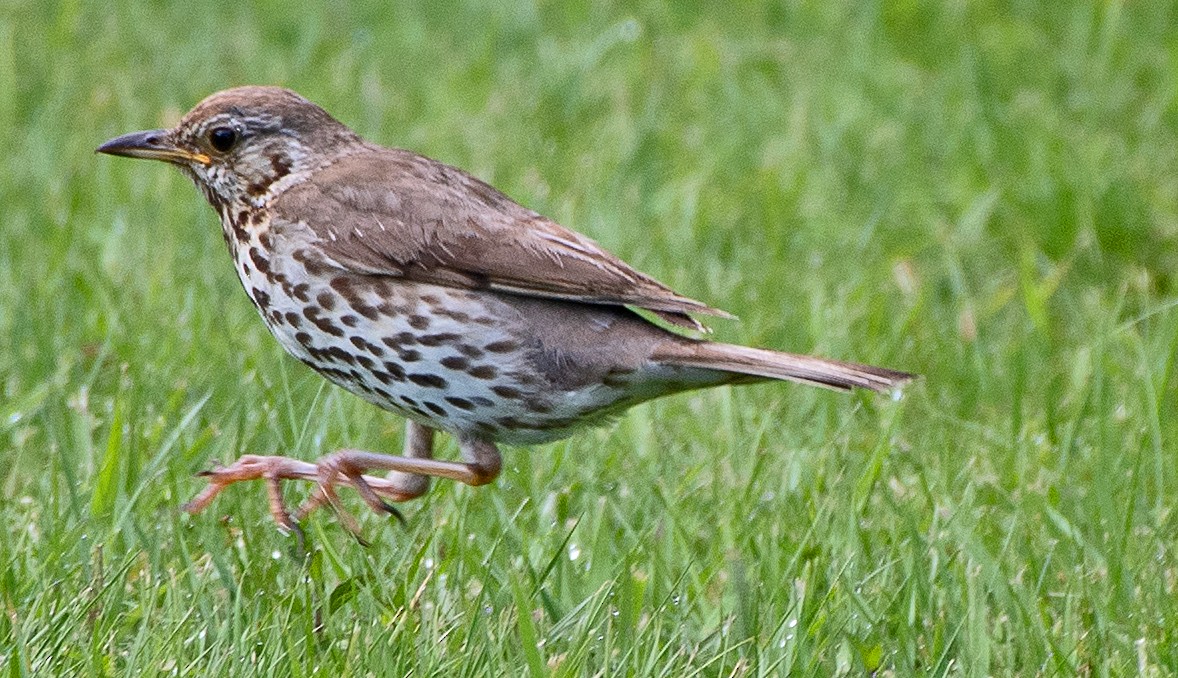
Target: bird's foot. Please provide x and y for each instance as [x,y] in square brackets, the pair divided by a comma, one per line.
[329,472]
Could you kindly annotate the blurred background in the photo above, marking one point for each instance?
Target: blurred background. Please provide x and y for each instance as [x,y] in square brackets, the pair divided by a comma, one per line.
[984,193]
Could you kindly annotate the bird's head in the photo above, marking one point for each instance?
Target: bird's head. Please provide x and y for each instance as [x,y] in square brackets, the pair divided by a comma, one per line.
[237,143]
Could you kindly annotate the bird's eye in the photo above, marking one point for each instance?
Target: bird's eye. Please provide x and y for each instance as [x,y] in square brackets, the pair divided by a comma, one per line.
[222,138]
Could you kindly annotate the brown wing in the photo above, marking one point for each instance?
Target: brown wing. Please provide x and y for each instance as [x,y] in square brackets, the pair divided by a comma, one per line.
[393,212]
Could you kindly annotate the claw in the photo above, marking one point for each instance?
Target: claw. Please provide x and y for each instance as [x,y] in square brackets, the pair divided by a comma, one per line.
[392,511]
[300,547]
[217,467]
[343,468]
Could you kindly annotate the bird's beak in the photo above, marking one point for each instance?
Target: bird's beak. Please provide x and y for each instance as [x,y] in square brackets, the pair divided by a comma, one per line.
[153,144]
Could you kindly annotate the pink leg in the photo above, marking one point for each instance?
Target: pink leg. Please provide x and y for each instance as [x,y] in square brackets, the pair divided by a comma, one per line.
[410,478]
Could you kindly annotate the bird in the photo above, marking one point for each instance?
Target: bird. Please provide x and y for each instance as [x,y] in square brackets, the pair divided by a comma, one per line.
[430,294]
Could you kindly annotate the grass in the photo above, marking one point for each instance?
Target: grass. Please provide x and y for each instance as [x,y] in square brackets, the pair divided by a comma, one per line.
[984,193]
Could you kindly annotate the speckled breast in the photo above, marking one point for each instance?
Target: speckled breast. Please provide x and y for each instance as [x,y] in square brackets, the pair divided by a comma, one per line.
[447,358]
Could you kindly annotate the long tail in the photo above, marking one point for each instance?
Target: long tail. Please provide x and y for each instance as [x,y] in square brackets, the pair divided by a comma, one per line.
[759,362]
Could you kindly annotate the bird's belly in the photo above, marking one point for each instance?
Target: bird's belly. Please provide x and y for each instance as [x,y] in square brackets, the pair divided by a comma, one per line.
[450,359]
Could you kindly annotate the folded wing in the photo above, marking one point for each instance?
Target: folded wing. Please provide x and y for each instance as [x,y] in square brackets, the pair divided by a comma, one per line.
[407,216]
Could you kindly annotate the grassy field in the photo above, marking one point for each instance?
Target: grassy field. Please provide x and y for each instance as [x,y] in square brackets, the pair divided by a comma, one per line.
[985,193]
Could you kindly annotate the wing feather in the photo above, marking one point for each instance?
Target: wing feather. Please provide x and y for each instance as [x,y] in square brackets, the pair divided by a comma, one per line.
[393,212]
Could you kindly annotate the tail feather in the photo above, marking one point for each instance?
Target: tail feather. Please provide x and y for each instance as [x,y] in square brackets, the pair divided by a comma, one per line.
[759,362]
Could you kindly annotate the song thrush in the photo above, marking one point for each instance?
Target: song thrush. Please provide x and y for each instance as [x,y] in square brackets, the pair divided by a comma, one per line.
[430,294]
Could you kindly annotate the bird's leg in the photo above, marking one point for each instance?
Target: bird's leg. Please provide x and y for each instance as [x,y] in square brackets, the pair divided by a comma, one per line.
[346,467]
[397,486]
[254,467]
[480,466]
[482,458]
[419,444]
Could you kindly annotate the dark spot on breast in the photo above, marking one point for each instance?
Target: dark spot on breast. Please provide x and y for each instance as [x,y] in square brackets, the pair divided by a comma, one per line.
[365,310]
[364,345]
[261,298]
[342,284]
[365,362]
[280,165]
[341,355]
[293,319]
[470,351]
[260,260]
[483,371]
[455,362]
[409,355]
[300,292]
[276,317]
[418,322]
[349,320]
[437,339]
[389,377]
[265,239]
[326,300]
[507,392]
[460,403]
[539,406]
[435,408]
[395,370]
[303,338]
[400,339]
[407,400]
[382,288]
[332,372]
[428,380]
[312,264]
[430,299]
[504,346]
[239,223]
[312,313]
[346,287]
[457,316]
